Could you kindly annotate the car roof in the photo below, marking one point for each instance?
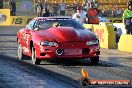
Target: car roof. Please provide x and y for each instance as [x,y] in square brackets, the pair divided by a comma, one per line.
[53,17]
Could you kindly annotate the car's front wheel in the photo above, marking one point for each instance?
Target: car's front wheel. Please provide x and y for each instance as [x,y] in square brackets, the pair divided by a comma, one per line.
[34,58]
[20,52]
[94,60]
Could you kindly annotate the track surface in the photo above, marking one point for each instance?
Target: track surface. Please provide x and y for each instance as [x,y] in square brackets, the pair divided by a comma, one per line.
[22,74]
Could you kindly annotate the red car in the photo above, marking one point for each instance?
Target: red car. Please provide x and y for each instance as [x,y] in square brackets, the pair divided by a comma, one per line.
[57,37]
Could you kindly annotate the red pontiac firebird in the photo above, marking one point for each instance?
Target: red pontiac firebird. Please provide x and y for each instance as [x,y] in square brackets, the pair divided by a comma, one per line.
[57,37]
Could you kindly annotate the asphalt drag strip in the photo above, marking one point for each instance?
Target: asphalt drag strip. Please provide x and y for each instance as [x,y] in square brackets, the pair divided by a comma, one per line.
[18,74]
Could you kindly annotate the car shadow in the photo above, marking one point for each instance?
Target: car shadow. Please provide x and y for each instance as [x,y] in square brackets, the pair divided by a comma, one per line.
[84,62]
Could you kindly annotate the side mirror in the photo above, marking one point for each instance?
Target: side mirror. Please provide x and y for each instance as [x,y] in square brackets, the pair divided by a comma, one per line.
[36,29]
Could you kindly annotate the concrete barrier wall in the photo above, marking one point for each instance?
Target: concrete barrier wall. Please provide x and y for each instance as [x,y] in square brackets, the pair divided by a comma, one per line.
[125,43]
[105,33]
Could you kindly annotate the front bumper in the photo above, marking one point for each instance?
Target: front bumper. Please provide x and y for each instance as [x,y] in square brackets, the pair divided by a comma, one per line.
[73,52]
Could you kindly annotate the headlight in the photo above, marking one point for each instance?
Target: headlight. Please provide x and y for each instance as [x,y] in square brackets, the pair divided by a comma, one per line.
[47,43]
[93,42]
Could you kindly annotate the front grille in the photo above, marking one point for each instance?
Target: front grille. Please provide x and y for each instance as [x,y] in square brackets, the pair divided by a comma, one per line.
[72,44]
[85,51]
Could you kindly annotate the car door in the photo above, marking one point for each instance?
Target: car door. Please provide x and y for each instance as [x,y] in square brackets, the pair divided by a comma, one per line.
[27,36]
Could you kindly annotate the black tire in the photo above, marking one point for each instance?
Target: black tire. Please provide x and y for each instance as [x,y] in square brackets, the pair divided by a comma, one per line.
[94,60]
[20,52]
[34,59]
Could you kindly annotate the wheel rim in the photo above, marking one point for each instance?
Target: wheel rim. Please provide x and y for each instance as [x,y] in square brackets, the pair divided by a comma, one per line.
[33,55]
[19,51]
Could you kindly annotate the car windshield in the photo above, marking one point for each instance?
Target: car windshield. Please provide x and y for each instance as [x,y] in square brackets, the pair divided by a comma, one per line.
[58,22]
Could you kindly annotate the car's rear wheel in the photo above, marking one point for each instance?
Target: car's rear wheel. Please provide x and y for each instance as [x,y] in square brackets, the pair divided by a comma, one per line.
[94,60]
[20,52]
[34,58]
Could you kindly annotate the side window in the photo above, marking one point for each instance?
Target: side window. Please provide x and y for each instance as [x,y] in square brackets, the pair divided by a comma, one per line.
[30,26]
[45,25]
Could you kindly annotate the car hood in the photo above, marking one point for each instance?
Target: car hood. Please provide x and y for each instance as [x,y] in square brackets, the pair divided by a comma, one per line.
[65,34]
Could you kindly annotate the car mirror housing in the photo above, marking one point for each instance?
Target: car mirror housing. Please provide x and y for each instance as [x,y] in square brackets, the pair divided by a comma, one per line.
[36,29]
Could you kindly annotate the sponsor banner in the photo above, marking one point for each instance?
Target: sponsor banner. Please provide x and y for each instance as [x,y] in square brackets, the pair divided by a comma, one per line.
[86,81]
[21,20]
[4,17]
[110,82]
